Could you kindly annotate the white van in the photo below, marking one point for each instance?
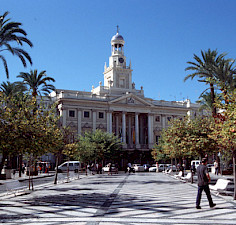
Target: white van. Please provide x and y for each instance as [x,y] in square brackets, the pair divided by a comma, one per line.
[72,165]
[196,163]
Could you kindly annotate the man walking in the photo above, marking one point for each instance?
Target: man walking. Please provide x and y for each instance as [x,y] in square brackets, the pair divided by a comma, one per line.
[203,181]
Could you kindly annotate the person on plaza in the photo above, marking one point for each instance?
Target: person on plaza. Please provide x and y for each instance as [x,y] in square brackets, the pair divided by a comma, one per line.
[216,165]
[193,168]
[23,168]
[89,169]
[100,168]
[203,184]
[181,168]
[157,167]
[93,168]
[128,167]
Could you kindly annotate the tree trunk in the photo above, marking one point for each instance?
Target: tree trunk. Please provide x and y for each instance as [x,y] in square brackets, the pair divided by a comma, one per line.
[56,174]
[219,164]
[20,164]
[29,173]
[4,156]
[213,100]
[234,172]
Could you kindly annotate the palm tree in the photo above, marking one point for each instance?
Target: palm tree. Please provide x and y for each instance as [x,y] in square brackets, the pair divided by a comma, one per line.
[12,89]
[37,83]
[205,70]
[11,34]
[225,77]
[205,101]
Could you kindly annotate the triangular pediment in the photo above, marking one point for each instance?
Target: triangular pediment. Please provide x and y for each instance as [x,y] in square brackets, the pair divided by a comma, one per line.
[130,99]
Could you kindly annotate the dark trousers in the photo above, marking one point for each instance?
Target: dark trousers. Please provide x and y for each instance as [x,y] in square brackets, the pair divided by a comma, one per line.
[199,195]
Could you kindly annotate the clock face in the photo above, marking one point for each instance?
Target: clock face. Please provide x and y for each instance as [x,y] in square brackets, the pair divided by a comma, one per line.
[121,60]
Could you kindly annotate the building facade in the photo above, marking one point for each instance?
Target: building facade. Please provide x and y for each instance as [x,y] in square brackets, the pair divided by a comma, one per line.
[118,106]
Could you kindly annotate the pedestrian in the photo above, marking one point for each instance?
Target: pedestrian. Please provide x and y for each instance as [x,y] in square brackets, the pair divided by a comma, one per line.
[216,165]
[110,169]
[92,168]
[23,168]
[157,167]
[203,184]
[181,168]
[193,168]
[128,167]
[100,168]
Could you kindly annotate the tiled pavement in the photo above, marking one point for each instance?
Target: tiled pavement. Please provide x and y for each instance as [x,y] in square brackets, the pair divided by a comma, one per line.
[141,198]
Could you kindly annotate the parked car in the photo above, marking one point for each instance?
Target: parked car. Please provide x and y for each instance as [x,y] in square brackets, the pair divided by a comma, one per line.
[173,167]
[153,168]
[196,163]
[106,168]
[209,167]
[163,167]
[71,165]
[146,167]
[138,168]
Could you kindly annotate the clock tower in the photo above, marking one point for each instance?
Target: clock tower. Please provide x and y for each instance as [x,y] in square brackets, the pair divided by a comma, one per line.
[118,75]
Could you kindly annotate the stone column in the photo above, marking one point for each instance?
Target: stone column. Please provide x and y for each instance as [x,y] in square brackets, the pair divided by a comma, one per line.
[130,130]
[94,121]
[137,131]
[141,130]
[163,119]
[124,127]
[79,121]
[117,125]
[110,123]
[150,130]
[64,116]
[107,115]
[108,127]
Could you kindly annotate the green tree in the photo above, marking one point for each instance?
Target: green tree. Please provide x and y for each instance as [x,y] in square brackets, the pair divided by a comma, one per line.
[12,89]
[11,37]
[204,69]
[37,83]
[187,138]
[225,130]
[26,131]
[225,77]
[98,146]
[67,145]
[205,100]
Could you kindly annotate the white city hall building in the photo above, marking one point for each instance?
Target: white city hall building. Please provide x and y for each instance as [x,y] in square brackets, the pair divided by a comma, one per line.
[117,106]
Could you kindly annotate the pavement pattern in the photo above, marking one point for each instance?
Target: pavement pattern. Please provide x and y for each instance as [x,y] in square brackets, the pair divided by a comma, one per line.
[120,199]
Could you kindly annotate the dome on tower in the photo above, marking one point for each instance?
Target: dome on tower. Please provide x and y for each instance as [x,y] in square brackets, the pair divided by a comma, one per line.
[117,37]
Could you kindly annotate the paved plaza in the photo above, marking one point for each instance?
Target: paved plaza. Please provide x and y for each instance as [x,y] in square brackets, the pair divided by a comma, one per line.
[141,198]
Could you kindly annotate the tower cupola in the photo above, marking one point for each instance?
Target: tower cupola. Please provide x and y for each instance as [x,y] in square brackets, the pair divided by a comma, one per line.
[117,43]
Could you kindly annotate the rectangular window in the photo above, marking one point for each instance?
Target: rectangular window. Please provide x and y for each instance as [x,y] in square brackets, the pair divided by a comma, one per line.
[100,115]
[71,113]
[158,119]
[86,114]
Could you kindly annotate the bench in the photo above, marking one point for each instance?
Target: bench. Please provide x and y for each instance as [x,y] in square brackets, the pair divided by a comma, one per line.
[178,175]
[14,187]
[168,171]
[220,186]
[187,177]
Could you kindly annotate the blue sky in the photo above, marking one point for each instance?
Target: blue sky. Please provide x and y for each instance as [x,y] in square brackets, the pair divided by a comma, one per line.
[72,40]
